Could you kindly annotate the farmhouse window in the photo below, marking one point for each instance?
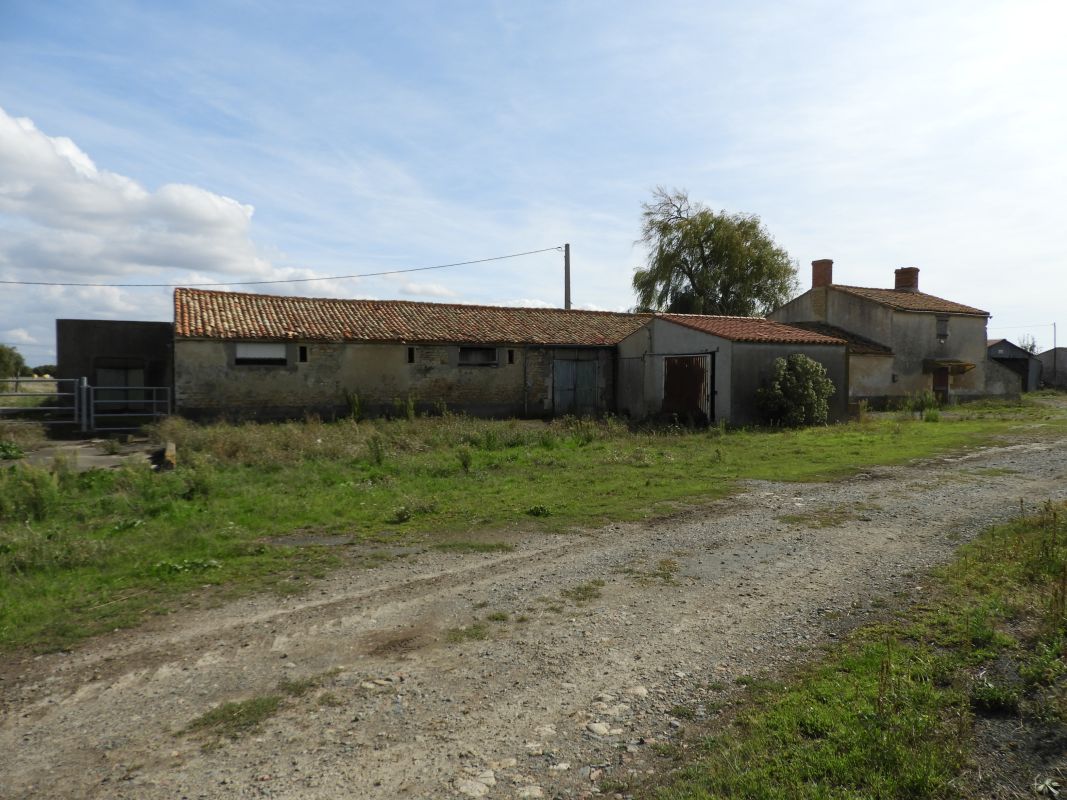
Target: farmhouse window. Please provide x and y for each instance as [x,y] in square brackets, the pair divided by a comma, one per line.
[511,356]
[302,354]
[942,327]
[411,355]
[477,356]
[259,353]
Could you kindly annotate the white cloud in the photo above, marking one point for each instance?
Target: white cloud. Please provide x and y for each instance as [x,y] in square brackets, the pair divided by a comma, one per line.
[426,290]
[66,219]
[525,302]
[17,336]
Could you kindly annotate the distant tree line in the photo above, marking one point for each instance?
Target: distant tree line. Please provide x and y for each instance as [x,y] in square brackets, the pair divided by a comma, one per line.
[13,365]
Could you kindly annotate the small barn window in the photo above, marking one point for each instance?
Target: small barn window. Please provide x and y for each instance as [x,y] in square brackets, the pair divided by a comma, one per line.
[942,327]
[511,356]
[302,354]
[259,353]
[411,355]
[477,356]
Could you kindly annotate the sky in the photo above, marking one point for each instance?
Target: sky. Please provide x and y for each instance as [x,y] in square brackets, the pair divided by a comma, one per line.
[227,141]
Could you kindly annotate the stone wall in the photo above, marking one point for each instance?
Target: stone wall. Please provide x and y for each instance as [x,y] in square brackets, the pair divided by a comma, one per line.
[208,382]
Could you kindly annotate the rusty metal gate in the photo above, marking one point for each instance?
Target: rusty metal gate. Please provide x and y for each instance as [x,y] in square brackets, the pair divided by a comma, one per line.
[688,387]
[574,387]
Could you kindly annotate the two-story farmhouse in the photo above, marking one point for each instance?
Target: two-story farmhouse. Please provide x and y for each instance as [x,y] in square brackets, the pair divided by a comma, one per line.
[901,340]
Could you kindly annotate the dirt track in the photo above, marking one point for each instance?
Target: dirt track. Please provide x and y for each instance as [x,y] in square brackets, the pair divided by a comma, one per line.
[574,694]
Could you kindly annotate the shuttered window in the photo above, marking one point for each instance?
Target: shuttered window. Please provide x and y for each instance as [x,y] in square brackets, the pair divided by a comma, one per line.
[261,353]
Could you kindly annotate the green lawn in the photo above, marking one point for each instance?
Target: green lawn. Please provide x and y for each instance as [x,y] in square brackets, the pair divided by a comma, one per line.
[82,553]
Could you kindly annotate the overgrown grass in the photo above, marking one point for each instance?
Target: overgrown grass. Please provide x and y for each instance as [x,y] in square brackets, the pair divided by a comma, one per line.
[82,553]
[891,713]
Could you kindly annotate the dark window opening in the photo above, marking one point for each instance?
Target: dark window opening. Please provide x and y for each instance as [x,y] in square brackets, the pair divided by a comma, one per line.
[259,354]
[411,355]
[120,389]
[302,355]
[477,356]
[511,356]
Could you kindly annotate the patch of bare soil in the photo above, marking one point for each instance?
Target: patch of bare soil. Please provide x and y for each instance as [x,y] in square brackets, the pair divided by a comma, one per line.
[534,673]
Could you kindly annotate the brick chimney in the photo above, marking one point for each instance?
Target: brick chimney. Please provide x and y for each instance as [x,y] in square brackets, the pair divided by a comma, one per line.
[907,279]
[822,272]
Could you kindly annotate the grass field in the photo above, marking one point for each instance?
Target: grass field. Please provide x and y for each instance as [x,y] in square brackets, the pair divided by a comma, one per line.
[894,711]
[82,553]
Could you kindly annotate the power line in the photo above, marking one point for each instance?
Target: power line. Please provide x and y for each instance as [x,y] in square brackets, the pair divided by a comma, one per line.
[284,280]
[1022,327]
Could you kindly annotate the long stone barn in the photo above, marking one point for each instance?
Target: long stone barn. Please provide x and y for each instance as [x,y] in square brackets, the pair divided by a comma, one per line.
[263,356]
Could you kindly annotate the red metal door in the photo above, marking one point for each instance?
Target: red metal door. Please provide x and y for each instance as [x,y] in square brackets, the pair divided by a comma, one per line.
[685,388]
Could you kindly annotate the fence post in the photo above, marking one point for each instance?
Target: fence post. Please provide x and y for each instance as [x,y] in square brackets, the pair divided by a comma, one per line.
[82,395]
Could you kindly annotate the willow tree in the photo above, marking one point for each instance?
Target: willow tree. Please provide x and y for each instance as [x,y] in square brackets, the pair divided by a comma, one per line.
[703,262]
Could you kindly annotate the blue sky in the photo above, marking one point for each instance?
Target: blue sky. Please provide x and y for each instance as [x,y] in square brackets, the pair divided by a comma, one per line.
[224,141]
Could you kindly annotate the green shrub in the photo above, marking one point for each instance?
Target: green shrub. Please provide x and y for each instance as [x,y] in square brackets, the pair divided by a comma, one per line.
[798,394]
[10,451]
[920,402]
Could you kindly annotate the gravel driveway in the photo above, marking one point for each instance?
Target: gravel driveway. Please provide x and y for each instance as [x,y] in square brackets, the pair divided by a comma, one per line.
[614,640]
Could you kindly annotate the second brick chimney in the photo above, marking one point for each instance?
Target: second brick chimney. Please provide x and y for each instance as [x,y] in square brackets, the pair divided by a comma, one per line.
[822,272]
[907,279]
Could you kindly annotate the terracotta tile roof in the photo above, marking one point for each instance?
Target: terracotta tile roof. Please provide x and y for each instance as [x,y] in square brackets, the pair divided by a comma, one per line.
[857,345]
[911,301]
[202,314]
[750,329]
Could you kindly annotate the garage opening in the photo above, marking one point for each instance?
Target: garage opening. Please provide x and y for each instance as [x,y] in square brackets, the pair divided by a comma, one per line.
[688,383]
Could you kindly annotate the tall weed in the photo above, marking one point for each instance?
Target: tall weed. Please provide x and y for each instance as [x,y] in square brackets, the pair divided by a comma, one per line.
[28,492]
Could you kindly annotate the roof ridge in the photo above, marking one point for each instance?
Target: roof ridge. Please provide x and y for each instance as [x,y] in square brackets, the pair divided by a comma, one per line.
[740,329]
[485,306]
[709,316]
[903,294]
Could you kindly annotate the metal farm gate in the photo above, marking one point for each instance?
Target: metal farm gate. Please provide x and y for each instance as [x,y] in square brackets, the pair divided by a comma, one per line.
[73,402]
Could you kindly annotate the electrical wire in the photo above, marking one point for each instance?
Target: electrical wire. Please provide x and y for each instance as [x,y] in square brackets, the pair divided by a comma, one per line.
[1023,327]
[283,280]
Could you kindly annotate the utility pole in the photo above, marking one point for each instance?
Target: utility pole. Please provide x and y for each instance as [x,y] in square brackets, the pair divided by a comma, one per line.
[567,276]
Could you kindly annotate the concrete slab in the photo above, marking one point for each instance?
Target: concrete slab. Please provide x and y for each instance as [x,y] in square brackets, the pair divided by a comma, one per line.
[87,454]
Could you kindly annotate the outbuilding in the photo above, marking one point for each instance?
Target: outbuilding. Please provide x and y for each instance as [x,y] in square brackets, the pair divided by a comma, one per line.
[705,368]
[1019,360]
